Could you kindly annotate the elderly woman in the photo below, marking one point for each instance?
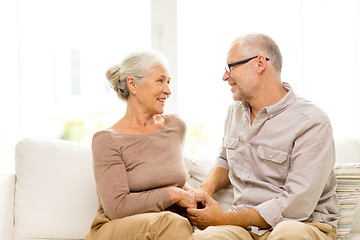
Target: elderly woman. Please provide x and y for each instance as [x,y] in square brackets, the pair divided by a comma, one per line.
[137,162]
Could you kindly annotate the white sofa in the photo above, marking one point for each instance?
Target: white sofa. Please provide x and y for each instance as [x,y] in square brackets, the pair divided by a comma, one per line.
[53,196]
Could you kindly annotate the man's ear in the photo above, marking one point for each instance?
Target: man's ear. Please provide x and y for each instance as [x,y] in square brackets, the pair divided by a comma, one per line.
[131,84]
[261,64]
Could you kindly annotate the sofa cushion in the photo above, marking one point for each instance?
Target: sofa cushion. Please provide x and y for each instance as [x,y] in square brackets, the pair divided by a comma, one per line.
[55,194]
[199,168]
[353,236]
[7,183]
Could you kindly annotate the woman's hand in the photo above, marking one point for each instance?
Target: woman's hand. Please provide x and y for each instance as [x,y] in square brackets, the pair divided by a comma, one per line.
[181,197]
[198,193]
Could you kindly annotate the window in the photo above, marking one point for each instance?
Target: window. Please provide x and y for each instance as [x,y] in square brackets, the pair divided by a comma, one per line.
[65,48]
[59,90]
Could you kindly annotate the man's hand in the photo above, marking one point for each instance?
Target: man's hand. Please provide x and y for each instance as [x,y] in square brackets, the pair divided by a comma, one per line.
[213,215]
[209,216]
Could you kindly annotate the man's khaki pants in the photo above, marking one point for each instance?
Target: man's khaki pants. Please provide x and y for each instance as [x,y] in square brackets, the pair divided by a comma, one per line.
[147,226]
[289,230]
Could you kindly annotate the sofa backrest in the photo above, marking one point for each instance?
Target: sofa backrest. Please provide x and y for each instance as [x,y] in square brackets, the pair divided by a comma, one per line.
[7,183]
[198,169]
[55,194]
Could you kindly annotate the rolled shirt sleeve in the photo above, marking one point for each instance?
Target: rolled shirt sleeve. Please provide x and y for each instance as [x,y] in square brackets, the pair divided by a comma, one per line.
[221,162]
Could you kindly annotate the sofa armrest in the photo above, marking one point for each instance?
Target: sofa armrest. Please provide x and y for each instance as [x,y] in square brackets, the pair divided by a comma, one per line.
[7,184]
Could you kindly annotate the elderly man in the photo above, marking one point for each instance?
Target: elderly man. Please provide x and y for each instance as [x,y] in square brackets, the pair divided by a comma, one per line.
[277,153]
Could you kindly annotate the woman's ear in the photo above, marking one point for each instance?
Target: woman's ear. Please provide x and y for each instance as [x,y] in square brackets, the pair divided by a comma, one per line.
[131,84]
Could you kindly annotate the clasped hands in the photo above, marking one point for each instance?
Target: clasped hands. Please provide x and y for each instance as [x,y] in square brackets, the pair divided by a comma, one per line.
[202,210]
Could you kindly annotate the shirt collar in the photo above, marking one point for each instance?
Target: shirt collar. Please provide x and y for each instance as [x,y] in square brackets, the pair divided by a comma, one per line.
[283,104]
[280,106]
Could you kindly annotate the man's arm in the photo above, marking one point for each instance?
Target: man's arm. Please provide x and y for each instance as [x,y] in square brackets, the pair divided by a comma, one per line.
[217,179]
[213,215]
[245,218]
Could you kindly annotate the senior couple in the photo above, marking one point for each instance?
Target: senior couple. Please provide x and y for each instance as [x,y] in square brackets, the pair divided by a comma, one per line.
[277,153]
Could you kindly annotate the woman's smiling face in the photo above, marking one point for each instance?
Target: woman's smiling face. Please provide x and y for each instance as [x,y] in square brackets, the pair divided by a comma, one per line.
[154,89]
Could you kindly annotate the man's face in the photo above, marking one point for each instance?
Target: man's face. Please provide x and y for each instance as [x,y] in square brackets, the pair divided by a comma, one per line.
[240,76]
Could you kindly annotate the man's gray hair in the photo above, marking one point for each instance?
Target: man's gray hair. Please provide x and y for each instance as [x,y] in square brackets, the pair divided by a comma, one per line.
[258,43]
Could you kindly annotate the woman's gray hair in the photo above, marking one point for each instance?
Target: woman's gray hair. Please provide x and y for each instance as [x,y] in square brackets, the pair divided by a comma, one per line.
[258,43]
[137,65]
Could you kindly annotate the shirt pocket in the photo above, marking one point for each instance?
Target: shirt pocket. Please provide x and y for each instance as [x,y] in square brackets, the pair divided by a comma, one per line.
[273,164]
[231,142]
[231,145]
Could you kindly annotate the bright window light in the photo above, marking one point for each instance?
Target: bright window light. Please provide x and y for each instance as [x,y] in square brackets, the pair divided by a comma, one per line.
[66,47]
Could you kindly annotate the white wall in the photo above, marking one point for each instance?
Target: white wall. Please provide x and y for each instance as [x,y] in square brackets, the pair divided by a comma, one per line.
[331,31]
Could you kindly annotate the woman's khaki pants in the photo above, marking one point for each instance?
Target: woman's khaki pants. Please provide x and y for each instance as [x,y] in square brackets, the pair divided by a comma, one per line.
[147,226]
[289,230]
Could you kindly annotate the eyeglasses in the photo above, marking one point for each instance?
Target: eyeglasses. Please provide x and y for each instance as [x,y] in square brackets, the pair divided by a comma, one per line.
[228,66]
